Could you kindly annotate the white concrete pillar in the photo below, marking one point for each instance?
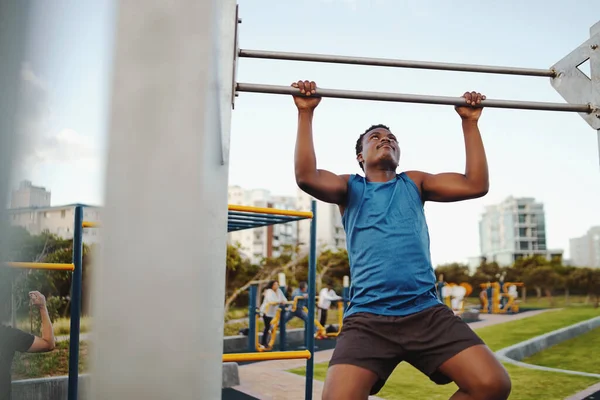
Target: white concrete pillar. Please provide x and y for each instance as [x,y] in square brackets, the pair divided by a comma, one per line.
[158,286]
[13,38]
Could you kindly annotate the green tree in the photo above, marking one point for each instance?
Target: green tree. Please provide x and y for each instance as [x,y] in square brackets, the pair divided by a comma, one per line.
[545,278]
[454,273]
[588,281]
[334,264]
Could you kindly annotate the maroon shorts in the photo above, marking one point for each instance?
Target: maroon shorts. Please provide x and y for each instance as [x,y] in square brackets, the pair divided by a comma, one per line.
[425,340]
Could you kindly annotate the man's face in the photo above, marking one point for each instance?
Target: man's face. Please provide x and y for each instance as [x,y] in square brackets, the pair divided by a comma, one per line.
[380,148]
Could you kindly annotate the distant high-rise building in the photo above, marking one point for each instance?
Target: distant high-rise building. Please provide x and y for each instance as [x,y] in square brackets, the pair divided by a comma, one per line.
[330,231]
[514,229]
[268,241]
[29,196]
[585,250]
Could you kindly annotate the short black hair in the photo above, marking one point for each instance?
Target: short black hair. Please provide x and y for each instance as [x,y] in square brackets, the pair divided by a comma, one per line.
[359,146]
[302,285]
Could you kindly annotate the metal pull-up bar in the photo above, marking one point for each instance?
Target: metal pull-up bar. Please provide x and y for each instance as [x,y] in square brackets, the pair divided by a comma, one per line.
[390,62]
[416,98]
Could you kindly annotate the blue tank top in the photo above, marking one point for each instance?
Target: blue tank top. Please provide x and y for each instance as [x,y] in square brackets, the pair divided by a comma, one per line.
[388,247]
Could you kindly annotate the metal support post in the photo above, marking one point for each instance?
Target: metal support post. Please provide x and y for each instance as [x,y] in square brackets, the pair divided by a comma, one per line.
[171,104]
[253,290]
[346,291]
[282,330]
[312,293]
[77,278]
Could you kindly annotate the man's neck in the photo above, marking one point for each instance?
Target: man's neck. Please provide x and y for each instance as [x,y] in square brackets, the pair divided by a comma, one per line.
[379,175]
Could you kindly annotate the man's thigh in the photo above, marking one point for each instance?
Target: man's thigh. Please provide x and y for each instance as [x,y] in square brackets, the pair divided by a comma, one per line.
[364,349]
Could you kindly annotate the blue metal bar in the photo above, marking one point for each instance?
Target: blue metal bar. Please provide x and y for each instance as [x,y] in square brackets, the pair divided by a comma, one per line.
[252,318]
[346,297]
[282,331]
[312,293]
[76,303]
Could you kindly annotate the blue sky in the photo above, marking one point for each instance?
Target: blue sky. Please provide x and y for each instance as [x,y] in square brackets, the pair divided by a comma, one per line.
[550,156]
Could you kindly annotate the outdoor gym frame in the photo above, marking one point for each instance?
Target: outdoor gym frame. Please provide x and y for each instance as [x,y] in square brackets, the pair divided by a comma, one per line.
[156,151]
[581,92]
[77,268]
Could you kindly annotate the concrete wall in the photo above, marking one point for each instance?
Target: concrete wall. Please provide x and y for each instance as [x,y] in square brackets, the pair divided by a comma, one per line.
[514,354]
[56,388]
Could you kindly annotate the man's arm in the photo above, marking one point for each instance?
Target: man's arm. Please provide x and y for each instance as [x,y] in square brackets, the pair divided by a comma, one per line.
[321,184]
[474,183]
[47,341]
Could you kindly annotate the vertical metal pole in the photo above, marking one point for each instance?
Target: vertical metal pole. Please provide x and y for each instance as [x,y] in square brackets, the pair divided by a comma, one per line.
[76,303]
[346,297]
[282,332]
[252,318]
[312,293]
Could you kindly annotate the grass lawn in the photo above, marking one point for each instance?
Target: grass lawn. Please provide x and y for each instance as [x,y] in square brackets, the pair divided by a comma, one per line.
[576,354]
[408,383]
[54,363]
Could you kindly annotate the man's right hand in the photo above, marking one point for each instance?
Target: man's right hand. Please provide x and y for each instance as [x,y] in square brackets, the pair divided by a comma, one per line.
[305,101]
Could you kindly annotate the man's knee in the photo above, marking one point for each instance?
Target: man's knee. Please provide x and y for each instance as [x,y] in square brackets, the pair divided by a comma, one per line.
[491,387]
[348,382]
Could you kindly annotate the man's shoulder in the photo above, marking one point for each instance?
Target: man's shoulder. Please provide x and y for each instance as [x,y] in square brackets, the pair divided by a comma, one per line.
[346,177]
[416,176]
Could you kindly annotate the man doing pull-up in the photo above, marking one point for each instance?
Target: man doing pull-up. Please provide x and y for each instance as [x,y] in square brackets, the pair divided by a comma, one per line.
[394,314]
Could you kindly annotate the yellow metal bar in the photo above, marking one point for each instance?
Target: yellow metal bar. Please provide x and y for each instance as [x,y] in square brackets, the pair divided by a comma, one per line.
[88,224]
[275,355]
[48,266]
[273,211]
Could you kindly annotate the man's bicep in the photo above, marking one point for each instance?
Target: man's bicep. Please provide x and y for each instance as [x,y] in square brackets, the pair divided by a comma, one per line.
[327,186]
[447,187]
[39,345]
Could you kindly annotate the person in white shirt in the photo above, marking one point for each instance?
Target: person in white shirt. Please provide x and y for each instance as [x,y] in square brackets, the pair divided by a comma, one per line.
[272,294]
[326,296]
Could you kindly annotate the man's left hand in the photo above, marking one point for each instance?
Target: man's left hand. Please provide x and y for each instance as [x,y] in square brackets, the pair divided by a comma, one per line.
[37,299]
[473,110]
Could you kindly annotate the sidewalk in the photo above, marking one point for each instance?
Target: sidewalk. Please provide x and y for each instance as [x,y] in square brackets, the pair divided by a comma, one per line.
[269,380]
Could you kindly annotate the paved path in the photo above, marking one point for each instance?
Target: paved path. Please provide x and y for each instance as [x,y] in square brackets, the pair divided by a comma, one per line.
[269,380]
[63,338]
[587,393]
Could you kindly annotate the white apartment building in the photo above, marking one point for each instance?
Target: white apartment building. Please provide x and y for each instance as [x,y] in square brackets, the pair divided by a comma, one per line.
[585,250]
[514,229]
[267,241]
[330,231]
[30,208]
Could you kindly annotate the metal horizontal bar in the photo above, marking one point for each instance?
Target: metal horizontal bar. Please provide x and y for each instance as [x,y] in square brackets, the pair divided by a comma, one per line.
[47,266]
[273,211]
[389,62]
[88,224]
[415,98]
[275,355]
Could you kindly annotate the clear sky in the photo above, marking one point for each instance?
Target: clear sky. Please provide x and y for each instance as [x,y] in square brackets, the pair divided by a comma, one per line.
[547,155]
